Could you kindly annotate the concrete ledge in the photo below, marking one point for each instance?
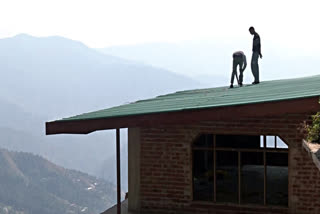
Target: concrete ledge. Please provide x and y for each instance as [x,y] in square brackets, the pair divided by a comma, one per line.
[314,151]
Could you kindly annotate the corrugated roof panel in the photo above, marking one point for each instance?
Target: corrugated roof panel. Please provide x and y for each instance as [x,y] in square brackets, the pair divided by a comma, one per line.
[267,91]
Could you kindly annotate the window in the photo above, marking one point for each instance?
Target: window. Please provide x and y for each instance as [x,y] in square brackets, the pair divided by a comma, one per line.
[240,169]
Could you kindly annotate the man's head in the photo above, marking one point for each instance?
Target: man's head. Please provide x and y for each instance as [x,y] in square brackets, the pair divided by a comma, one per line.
[251,30]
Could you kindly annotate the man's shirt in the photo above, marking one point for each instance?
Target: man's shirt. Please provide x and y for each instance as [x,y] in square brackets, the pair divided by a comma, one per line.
[240,55]
[237,54]
[256,47]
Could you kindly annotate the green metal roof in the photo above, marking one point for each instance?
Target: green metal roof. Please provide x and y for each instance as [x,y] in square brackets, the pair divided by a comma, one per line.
[267,91]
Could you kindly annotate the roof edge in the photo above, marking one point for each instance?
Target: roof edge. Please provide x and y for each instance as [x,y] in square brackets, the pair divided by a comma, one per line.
[85,126]
[178,110]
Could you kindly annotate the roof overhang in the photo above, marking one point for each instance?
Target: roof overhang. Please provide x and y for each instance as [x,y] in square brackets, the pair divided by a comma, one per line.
[275,108]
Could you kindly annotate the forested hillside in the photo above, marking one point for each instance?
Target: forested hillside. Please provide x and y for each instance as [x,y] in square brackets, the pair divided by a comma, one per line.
[30,184]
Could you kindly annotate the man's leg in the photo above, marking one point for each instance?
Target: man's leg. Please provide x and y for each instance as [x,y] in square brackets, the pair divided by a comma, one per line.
[241,73]
[234,71]
[255,66]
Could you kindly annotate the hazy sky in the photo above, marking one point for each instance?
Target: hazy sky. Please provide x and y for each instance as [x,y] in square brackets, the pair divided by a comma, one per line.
[101,23]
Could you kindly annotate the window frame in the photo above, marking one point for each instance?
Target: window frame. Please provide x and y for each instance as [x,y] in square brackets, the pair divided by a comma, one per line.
[265,149]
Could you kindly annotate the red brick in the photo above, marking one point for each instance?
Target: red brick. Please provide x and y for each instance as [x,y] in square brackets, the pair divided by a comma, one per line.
[166,166]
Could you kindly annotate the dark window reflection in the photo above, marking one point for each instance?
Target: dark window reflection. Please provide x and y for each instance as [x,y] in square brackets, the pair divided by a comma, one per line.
[277,179]
[238,141]
[227,176]
[252,169]
[252,178]
[204,141]
[203,175]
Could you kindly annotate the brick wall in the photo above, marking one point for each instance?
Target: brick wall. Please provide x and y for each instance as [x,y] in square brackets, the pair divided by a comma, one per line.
[166,166]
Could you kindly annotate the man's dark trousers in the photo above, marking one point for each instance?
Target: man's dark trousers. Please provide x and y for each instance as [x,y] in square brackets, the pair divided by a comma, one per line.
[255,66]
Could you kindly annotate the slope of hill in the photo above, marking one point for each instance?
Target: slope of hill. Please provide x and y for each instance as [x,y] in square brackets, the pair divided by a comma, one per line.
[48,78]
[57,77]
[210,62]
[14,116]
[32,185]
[205,61]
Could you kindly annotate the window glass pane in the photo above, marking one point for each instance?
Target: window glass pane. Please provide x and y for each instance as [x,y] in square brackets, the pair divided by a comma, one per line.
[270,142]
[204,141]
[227,176]
[203,175]
[281,144]
[238,141]
[277,179]
[261,142]
[252,178]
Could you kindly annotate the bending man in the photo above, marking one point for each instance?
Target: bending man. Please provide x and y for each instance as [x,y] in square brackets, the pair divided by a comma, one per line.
[238,59]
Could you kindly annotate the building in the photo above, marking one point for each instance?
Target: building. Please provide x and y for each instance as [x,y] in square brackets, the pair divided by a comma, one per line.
[216,150]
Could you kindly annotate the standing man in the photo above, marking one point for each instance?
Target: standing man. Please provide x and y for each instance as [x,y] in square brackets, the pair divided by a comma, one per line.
[238,59]
[256,52]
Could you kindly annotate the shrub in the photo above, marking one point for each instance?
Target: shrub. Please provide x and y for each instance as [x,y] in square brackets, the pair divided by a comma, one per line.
[314,129]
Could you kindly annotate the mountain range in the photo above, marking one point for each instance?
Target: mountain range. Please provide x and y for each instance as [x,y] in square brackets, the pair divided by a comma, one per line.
[210,61]
[47,78]
[56,77]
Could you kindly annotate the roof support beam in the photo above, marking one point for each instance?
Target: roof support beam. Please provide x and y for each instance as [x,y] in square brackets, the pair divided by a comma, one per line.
[118,172]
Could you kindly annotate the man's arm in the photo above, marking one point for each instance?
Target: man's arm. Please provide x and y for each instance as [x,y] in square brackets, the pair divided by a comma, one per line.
[260,51]
[257,42]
